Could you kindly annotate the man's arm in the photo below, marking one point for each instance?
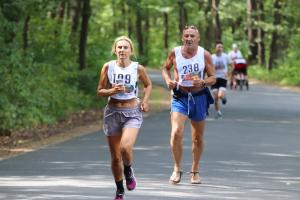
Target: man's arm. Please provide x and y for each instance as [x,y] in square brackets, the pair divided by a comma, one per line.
[210,71]
[166,70]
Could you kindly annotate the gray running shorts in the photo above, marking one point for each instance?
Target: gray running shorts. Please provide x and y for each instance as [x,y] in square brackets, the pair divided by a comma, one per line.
[115,119]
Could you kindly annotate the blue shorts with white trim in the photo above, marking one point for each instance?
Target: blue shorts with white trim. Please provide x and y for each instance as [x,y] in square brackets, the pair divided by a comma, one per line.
[193,105]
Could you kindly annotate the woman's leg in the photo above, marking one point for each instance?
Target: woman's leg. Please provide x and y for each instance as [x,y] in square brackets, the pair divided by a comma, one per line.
[116,158]
[127,142]
[116,162]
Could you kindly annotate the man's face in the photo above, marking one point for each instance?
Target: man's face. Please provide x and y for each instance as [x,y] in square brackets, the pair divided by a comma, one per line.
[219,48]
[190,37]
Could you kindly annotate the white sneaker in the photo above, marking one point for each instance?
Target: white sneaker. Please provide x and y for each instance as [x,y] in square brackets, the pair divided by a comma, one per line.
[219,115]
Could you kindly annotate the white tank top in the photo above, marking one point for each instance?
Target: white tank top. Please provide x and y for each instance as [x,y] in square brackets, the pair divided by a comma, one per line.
[189,69]
[220,65]
[128,76]
[233,55]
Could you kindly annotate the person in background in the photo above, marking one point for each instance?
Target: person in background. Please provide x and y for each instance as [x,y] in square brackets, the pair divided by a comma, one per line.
[220,62]
[123,113]
[193,72]
[235,56]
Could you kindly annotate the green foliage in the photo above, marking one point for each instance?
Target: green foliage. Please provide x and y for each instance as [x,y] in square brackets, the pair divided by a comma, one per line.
[284,75]
[43,83]
[287,71]
[33,93]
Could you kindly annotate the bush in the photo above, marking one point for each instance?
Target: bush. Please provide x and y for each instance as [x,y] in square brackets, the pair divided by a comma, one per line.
[34,93]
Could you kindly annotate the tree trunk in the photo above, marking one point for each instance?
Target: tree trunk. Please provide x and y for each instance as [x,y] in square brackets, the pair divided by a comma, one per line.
[252,31]
[208,29]
[61,12]
[200,6]
[114,18]
[86,12]
[166,32]
[77,8]
[139,33]
[260,35]
[129,19]
[217,32]
[182,15]
[146,34]
[25,32]
[275,46]
[124,16]
[76,17]
[68,9]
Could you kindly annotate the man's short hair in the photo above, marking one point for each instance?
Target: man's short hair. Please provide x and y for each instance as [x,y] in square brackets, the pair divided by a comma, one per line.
[218,42]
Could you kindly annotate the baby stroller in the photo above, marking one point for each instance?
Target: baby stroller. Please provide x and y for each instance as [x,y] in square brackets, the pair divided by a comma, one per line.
[240,74]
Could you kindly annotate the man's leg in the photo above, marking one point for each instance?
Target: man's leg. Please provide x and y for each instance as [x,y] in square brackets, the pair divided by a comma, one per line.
[197,147]
[177,122]
[221,95]
[216,98]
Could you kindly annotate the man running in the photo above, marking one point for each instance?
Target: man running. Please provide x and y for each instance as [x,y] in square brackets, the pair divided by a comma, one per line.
[191,98]
[220,62]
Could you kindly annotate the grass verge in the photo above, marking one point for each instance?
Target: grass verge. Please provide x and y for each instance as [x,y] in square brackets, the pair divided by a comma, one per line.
[75,125]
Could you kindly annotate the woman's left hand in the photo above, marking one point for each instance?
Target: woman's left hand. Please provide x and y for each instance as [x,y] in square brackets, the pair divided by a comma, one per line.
[145,106]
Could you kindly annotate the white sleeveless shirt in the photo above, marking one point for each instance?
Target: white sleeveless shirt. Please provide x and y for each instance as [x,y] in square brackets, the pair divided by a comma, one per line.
[128,76]
[220,63]
[190,69]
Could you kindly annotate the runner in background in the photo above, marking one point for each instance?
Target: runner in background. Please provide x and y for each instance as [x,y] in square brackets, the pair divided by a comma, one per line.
[234,55]
[220,62]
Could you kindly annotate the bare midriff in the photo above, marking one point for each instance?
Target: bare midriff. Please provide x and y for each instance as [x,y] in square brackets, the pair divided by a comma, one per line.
[128,103]
[189,89]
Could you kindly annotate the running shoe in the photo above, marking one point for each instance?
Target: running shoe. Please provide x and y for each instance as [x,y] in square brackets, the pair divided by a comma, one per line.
[119,195]
[130,180]
[219,115]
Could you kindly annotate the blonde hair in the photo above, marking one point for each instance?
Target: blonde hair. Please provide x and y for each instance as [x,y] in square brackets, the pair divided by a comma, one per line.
[113,48]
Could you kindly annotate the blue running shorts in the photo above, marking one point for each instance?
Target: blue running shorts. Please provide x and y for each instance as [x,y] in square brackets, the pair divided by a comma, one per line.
[194,106]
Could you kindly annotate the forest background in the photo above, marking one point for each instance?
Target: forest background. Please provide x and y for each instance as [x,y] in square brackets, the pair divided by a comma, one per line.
[51,52]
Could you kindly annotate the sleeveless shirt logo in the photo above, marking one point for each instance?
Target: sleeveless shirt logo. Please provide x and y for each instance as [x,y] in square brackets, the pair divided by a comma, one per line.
[127,77]
[189,69]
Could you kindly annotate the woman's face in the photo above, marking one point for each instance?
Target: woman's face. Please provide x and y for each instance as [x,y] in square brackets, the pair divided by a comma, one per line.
[123,49]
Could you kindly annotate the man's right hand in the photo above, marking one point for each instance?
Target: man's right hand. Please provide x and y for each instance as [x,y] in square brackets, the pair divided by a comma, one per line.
[171,84]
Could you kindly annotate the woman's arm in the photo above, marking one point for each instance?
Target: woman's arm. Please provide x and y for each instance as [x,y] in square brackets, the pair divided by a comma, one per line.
[102,89]
[143,76]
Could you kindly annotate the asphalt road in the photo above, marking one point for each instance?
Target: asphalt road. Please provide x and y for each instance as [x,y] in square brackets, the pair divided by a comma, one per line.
[253,153]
